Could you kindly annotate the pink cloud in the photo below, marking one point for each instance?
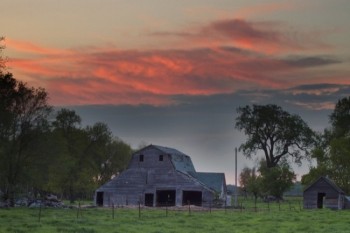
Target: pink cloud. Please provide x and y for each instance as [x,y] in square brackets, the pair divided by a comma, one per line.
[221,57]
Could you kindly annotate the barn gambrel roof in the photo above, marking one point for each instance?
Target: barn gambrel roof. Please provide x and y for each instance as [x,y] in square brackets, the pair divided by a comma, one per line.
[183,164]
[181,161]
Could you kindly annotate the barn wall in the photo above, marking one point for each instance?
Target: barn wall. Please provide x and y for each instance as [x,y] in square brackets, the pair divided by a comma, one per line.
[333,199]
[132,184]
[150,160]
[150,175]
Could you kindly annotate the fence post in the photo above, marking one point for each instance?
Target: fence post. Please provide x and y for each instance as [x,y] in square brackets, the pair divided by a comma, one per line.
[255,205]
[279,206]
[78,210]
[210,206]
[268,206]
[189,207]
[39,217]
[225,207]
[113,210]
[139,209]
[166,209]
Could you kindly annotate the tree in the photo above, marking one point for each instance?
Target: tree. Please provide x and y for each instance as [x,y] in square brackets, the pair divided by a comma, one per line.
[85,158]
[114,161]
[334,161]
[274,131]
[340,118]
[23,116]
[250,181]
[276,180]
[333,151]
[68,175]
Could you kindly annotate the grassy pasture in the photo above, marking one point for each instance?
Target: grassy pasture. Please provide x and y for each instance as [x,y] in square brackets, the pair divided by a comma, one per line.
[91,220]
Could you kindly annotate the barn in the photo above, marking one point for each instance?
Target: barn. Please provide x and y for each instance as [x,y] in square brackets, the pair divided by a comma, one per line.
[159,176]
[324,193]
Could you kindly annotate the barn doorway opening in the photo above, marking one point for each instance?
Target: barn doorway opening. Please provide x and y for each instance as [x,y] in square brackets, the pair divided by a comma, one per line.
[99,198]
[149,199]
[166,197]
[192,197]
[320,198]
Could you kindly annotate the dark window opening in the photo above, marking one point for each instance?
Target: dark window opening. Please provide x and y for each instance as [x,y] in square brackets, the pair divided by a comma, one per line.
[149,199]
[160,157]
[166,197]
[320,198]
[141,158]
[192,198]
[99,198]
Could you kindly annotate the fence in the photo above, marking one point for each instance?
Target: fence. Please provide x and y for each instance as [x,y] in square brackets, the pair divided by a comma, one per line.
[243,206]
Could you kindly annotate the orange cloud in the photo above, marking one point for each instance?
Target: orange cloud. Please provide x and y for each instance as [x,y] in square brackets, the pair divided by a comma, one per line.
[29,47]
[113,76]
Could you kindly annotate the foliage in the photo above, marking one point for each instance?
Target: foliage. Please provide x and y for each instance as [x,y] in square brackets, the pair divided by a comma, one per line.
[333,151]
[39,156]
[276,180]
[85,157]
[24,111]
[274,131]
[250,181]
[340,118]
[272,181]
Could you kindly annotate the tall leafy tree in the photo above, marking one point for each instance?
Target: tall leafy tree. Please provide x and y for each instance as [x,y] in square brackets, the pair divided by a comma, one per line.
[275,132]
[340,118]
[84,157]
[333,152]
[66,176]
[23,115]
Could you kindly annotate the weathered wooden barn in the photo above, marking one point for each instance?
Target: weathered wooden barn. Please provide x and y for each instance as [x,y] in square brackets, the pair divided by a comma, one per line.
[158,176]
[324,193]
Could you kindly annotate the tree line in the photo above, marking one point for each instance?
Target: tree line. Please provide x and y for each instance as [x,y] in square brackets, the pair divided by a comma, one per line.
[283,139]
[43,150]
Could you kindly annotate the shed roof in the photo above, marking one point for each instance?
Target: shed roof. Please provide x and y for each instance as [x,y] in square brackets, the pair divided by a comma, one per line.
[327,180]
[212,180]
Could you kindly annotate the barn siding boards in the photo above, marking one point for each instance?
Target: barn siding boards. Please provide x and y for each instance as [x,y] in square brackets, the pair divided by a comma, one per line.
[324,193]
[162,174]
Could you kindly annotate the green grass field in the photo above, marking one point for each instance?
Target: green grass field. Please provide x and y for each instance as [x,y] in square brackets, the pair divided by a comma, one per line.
[91,220]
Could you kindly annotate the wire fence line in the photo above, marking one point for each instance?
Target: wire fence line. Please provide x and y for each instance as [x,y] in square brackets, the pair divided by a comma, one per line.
[193,208]
[141,211]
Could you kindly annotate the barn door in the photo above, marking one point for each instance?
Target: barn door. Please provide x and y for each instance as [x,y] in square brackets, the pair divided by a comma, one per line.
[99,199]
[320,199]
[149,199]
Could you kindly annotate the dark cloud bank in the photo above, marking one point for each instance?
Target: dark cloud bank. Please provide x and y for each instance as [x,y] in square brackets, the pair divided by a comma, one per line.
[203,126]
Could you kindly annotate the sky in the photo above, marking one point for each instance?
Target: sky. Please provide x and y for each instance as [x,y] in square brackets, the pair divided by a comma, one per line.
[173,73]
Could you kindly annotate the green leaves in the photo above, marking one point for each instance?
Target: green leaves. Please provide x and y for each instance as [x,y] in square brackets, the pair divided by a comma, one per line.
[333,150]
[23,117]
[274,131]
[58,156]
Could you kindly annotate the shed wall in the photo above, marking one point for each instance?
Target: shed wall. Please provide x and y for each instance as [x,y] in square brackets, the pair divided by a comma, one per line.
[333,199]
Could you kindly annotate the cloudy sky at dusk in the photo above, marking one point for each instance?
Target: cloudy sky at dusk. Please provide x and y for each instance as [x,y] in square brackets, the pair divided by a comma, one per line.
[173,73]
